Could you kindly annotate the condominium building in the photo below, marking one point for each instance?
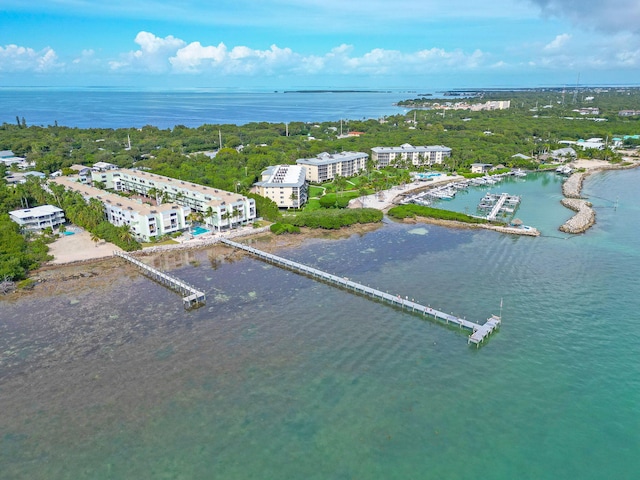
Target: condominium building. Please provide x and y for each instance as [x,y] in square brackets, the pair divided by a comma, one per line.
[326,166]
[286,185]
[38,218]
[145,221]
[416,156]
[219,209]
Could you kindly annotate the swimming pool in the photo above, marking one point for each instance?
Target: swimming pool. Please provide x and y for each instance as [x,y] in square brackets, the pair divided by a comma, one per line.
[68,233]
[199,231]
[423,176]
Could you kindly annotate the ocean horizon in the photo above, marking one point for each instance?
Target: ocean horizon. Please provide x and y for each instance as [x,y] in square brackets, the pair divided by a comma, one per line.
[128,107]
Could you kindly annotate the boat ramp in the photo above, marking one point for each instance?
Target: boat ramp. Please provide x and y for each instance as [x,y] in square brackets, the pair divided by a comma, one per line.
[478,332]
[192,296]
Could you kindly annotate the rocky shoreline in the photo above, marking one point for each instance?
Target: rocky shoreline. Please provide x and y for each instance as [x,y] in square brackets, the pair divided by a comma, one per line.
[585,216]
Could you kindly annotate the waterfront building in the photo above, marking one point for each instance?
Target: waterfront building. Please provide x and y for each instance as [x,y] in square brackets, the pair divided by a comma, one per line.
[145,221]
[38,218]
[480,167]
[416,156]
[219,208]
[325,167]
[286,185]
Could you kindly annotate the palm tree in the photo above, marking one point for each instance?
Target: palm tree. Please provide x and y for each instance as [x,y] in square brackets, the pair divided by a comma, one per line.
[95,238]
[236,213]
[209,213]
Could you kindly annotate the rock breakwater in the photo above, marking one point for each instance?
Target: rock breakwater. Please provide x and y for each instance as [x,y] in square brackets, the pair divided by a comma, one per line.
[584,218]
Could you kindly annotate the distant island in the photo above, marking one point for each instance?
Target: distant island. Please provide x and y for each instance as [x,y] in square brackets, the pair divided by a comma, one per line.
[336,91]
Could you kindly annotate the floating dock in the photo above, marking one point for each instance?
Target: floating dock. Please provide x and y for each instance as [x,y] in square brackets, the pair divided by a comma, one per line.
[192,296]
[478,332]
[499,203]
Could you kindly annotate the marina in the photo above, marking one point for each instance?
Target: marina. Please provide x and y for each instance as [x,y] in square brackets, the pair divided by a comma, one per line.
[478,332]
[192,296]
[499,204]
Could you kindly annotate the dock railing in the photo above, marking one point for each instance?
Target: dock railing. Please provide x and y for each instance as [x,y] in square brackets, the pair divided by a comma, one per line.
[192,296]
[478,332]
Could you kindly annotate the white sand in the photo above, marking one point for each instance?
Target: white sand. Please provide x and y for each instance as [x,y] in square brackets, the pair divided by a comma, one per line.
[79,247]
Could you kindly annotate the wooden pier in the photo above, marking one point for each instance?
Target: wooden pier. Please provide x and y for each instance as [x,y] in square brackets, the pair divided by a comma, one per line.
[192,296]
[478,332]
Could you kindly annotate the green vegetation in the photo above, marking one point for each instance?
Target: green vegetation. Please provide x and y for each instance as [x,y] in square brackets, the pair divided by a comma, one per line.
[334,219]
[412,211]
[535,124]
[280,228]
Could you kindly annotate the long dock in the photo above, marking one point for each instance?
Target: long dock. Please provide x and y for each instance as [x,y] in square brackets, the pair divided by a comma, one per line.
[478,332]
[192,296]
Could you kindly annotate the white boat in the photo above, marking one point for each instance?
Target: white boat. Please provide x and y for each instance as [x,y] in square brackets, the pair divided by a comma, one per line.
[564,170]
[519,173]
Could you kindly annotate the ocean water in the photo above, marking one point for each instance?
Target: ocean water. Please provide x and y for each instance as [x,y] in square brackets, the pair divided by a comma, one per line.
[125,108]
[280,376]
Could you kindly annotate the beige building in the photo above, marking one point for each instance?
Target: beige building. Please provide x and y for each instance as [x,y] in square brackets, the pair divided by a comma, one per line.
[220,209]
[325,167]
[286,185]
[144,220]
[416,156]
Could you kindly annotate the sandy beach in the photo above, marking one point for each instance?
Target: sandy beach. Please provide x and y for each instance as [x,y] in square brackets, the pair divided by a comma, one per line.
[79,247]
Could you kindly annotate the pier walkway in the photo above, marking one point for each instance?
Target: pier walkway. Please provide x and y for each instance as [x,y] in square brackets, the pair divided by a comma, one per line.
[192,296]
[478,332]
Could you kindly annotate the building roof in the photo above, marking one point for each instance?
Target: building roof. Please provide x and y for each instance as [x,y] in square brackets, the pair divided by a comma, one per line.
[406,147]
[218,196]
[35,211]
[6,153]
[112,198]
[283,176]
[329,158]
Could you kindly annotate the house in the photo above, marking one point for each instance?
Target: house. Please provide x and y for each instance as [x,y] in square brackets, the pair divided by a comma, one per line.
[286,185]
[480,167]
[38,218]
[563,153]
[325,167]
[416,156]
[520,156]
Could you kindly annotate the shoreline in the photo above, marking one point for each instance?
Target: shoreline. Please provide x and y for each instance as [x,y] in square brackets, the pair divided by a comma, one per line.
[585,216]
[69,251]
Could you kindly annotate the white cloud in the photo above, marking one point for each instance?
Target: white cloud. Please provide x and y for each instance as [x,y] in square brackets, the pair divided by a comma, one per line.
[153,55]
[558,42]
[173,55]
[14,58]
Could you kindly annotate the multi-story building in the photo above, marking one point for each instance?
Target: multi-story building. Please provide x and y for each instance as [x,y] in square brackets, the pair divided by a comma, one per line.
[416,156]
[286,185]
[326,166]
[144,220]
[38,218]
[219,209]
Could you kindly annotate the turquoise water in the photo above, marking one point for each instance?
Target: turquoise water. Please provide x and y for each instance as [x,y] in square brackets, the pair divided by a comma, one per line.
[280,376]
[199,230]
[68,233]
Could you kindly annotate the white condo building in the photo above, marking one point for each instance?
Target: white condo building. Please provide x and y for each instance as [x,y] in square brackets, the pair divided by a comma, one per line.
[38,218]
[144,220]
[286,185]
[326,166]
[417,156]
[219,208]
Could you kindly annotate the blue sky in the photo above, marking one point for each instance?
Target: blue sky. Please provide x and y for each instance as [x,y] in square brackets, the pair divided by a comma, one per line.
[319,43]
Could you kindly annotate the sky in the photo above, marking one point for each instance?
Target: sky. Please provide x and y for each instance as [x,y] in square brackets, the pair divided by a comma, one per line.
[275,44]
